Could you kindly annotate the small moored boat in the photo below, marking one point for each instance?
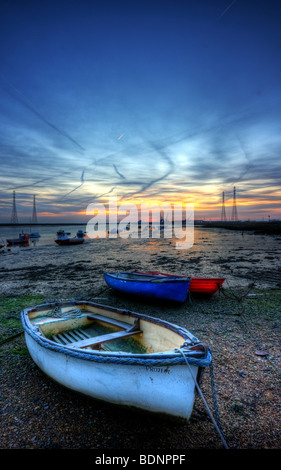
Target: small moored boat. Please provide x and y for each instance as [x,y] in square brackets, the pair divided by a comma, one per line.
[64,239]
[22,240]
[34,235]
[117,356]
[173,288]
[62,232]
[198,285]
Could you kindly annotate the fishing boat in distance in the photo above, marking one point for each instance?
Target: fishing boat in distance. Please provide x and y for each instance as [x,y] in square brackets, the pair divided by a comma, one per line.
[198,285]
[64,239]
[147,285]
[118,356]
[22,240]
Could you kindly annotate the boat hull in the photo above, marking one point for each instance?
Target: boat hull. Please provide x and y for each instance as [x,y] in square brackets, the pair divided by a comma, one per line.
[70,241]
[198,285]
[173,290]
[17,242]
[164,390]
[158,382]
[207,286]
[22,240]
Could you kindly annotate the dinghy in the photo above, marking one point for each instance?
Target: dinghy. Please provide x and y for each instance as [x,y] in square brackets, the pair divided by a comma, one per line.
[172,288]
[118,356]
[198,285]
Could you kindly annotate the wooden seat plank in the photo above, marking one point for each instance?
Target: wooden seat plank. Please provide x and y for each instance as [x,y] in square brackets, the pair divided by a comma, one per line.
[111,321]
[103,338]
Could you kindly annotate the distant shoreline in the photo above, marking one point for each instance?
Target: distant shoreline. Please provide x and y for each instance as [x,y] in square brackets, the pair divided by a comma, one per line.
[270,227]
[43,224]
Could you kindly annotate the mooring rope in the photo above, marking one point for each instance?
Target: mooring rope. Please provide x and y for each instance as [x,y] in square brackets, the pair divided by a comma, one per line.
[72,313]
[217,426]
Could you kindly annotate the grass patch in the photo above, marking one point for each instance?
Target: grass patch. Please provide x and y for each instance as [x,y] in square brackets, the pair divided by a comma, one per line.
[16,304]
[10,309]
[18,351]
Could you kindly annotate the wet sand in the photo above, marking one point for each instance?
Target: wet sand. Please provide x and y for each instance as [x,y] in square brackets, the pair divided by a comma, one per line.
[39,414]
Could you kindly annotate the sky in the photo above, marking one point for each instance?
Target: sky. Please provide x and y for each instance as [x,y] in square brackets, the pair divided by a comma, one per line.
[150,101]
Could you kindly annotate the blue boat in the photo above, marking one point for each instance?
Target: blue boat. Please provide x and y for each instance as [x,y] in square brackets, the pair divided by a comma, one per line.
[34,235]
[154,287]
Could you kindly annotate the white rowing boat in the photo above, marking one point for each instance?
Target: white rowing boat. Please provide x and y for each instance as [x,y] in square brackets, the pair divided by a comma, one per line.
[118,356]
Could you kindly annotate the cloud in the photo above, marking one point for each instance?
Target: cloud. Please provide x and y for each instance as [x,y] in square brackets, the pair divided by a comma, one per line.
[227,8]
[18,95]
[77,187]
[118,172]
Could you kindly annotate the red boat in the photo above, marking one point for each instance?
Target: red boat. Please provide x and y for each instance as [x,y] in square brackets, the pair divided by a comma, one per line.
[22,240]
[69,241]
[198,285]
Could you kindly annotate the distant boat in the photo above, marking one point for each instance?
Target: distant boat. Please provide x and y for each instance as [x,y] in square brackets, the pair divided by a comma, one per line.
[63,238]
[34,235]
[198,285]
[146,285]
[80,234]
[117,356]
[22,240]
[62,232]
[1,246]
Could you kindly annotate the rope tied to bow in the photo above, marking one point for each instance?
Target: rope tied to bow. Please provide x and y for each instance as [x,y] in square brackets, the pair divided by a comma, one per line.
[217,423]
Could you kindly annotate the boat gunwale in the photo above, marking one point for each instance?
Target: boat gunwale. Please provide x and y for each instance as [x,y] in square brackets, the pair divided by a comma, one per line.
[149,278]
[192,278]
[34,331]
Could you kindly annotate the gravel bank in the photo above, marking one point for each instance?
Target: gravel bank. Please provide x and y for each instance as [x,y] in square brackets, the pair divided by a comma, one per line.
[37,413]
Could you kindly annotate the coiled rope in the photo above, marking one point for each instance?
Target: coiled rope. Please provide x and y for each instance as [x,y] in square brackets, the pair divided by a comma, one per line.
[218,423]
[71,313]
